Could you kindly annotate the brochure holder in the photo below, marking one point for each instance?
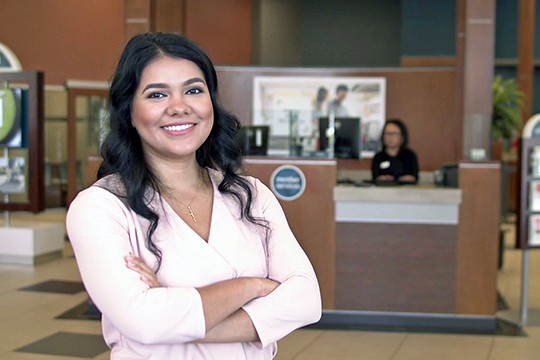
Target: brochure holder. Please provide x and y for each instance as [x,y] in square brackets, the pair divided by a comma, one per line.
[528,215]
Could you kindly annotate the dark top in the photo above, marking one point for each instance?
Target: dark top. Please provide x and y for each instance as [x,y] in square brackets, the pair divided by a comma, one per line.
[405,163]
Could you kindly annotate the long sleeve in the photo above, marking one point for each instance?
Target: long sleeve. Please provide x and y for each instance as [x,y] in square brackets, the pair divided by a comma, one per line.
[297,301]
[414,167]
[375,166]
[102,231]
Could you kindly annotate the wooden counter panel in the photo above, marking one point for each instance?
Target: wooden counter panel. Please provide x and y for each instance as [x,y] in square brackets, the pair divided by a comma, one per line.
[311,217]
[395,267]
[478,242]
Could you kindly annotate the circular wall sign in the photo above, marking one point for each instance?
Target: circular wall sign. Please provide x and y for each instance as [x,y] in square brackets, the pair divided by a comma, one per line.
[288,182]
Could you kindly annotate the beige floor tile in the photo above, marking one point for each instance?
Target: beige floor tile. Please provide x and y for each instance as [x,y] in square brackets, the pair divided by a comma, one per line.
[309,356]
[104,356]
[522,348]
[444,347]
[296,342]
[20,302]
[353,344]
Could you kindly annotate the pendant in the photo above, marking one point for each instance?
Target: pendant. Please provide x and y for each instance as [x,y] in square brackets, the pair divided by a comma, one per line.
[191,213]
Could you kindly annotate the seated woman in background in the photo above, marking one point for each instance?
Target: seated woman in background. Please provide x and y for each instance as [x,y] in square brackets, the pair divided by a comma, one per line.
[395,162]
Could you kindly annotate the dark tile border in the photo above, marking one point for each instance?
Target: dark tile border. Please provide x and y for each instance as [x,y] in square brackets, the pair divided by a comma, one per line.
[68,344]
[84,311]
[417,323]
[56,286]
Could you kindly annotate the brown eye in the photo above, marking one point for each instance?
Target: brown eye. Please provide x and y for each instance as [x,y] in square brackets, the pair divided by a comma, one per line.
[156,95]
[194,91]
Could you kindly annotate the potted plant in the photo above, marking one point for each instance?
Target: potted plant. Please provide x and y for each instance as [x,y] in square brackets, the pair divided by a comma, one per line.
[507,107]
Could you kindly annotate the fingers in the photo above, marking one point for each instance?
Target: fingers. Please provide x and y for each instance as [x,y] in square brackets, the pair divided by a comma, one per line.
[147,275]
[267,286]
[151,282]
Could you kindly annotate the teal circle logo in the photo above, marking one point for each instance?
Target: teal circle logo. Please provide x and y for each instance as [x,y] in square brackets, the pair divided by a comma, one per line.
[288,182]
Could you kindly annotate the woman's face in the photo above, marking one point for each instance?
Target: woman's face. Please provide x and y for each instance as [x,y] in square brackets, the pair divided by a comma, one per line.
[392,136]
[172,109]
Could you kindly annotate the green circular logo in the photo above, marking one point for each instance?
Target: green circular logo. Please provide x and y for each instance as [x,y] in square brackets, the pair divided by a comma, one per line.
[8,114]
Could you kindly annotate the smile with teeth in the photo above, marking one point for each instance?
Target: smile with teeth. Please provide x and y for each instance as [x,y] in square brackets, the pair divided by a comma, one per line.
[178,127]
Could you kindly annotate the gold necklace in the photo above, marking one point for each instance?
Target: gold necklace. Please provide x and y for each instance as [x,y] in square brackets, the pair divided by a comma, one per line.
[188,206]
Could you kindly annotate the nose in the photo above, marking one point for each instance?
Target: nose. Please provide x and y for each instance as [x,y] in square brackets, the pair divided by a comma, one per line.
[177,106]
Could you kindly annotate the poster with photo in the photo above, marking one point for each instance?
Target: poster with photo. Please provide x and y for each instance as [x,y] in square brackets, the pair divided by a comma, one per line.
[534,230]
[278,101]
[12,175]
[534,195]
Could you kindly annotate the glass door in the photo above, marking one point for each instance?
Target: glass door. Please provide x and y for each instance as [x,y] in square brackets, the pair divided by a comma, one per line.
[87,127]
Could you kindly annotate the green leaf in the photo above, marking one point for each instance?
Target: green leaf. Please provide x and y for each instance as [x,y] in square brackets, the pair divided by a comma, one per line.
[507,108]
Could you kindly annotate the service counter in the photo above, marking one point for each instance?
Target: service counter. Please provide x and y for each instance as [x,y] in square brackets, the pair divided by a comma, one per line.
[415,252]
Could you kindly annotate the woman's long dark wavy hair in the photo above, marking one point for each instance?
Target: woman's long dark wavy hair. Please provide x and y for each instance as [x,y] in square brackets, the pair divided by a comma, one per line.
[122,149]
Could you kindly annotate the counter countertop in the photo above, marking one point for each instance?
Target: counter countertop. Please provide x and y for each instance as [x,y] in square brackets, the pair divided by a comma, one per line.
[425,193]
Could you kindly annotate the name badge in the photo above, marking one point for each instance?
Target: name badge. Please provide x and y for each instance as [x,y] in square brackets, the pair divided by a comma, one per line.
[385,165]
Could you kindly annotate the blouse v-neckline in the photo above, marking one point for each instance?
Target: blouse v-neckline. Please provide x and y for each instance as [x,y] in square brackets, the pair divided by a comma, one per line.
[185,223]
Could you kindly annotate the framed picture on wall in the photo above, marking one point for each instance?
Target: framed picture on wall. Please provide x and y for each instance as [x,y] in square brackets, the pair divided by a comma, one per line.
[296,103]
[534,230]
[12,175]
[534,195]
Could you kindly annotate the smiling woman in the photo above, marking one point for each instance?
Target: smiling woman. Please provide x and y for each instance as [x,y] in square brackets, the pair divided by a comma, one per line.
[172,110]
[199,261]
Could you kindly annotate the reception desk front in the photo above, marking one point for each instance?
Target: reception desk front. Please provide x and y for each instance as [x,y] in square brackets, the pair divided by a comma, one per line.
[396,248]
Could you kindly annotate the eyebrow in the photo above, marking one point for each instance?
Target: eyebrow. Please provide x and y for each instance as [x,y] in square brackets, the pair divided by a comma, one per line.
[163,85]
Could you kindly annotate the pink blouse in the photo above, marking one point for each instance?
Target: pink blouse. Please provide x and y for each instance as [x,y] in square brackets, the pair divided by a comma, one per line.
[162,323]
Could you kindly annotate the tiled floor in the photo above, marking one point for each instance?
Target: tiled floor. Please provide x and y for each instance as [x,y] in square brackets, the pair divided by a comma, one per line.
[35,322]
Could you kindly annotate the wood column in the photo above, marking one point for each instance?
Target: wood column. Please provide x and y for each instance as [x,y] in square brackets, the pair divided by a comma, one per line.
[137,17]
[478,238]
[167,15]
[525,68]
[153,15]
[311,216]
[475,42]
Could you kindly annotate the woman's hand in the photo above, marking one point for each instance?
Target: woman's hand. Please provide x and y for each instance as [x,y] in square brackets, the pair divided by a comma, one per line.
[147,275]
[266,286]
[407,178]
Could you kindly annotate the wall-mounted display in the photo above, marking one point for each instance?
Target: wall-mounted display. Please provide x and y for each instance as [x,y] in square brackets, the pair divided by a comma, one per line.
[22,175]
[293,105]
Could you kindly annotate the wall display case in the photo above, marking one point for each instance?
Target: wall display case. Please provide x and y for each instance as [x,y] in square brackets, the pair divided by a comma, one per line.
[529,186]
[529,204]
[22,140]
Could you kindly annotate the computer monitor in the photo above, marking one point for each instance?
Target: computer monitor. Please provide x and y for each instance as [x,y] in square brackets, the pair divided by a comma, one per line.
[253,139]
[347,141]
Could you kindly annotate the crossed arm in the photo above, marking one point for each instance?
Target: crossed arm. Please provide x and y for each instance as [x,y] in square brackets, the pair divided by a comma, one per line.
[222,302]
